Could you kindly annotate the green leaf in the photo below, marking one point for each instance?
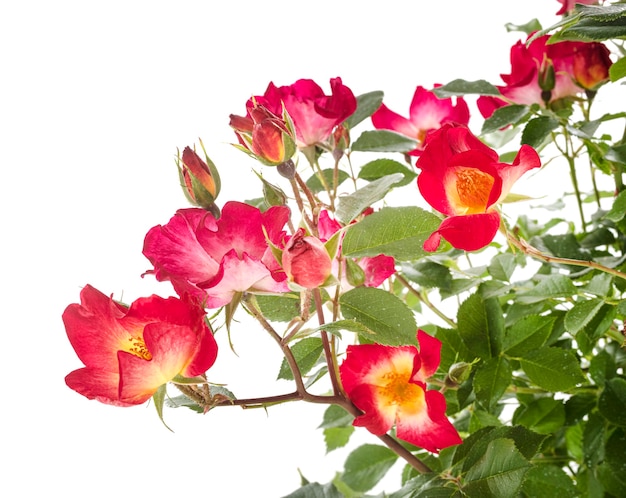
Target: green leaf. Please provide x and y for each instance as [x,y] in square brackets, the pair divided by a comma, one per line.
[618,69]
[481,325]
[367,465]
[504,116]
[306,352]
[593,440]
[499,473]
[602,367]
[337,437]
[281,308]
[551,287]
[615,455]
[399,232]
[366,105]
[463,87]
[612,401]
[428,274]
[350,206]
[618,210]
[382,167]
[528,334]
[336,416]
[316,490]
[502,266]
[548,480]
[315,184]
[543,415]
[538,129]
[592,23]
[617,154]
[383,141]
[350,326]
[491,381]
[385,314]
[581,314]
[553,369]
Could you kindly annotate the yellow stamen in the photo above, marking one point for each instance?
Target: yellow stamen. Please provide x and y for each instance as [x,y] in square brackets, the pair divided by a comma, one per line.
[397,390]
[472,190]
[138,348]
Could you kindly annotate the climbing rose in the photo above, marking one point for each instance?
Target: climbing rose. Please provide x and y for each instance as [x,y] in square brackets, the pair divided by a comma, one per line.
[427,112]
[388,384]
[213,259]
[129,352]
[462,178]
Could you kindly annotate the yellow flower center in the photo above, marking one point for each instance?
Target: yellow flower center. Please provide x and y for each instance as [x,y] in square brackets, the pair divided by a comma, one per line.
[397,390]
[138,347]
[472,189]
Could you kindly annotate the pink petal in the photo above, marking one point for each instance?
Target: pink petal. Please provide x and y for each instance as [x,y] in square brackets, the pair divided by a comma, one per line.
[430,428]
[430,355]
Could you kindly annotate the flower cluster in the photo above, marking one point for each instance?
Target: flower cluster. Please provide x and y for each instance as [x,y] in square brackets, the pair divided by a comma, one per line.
[332,260]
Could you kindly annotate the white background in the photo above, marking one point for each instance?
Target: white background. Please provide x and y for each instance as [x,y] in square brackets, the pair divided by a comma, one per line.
[95,99]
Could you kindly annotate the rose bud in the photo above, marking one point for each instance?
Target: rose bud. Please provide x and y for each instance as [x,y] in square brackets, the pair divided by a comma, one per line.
[306,260]
[200,181]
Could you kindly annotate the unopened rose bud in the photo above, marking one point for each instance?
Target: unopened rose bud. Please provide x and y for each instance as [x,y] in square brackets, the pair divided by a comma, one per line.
[306,261]
[459,373]
[264,135]
[200,179]
[340,141]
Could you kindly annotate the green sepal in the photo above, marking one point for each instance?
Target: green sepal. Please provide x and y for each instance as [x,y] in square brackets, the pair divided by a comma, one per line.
[179,379]
[159,400]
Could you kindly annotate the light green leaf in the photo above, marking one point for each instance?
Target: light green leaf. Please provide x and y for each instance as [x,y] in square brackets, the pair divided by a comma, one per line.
[159,399]
[367,465]
[618,210]
[337,437]
[553,369]
[380,311]
[382,167]
[395,231]
[581,314]
[463,87]
[504,116]
[617,71]
[543,415]
[383,141]
[350,206]
[551,287]
[306,352]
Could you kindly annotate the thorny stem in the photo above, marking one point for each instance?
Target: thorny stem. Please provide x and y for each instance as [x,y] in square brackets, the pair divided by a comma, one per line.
[201,395]
[533,252]
[328,350]
[424,299]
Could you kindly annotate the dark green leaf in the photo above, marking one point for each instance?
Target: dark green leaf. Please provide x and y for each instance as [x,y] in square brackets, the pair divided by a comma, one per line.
[385,314]
[383,141]
[281,308]
[491,381]
[316,490]
[538,130]
[350,206]
[593,440]
[367,465]
[548,480]
[612,402]
[463,87]
[395,231]
[553,369]
[616,154]
[306,352]
[499,473]
[543,415]
[481,326]
[366,105]
[616,454]
[602,367]
[528,334]
[502,266]
[428,274]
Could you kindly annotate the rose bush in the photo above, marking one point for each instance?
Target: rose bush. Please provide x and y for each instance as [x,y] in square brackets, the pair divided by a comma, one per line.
[480,345]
